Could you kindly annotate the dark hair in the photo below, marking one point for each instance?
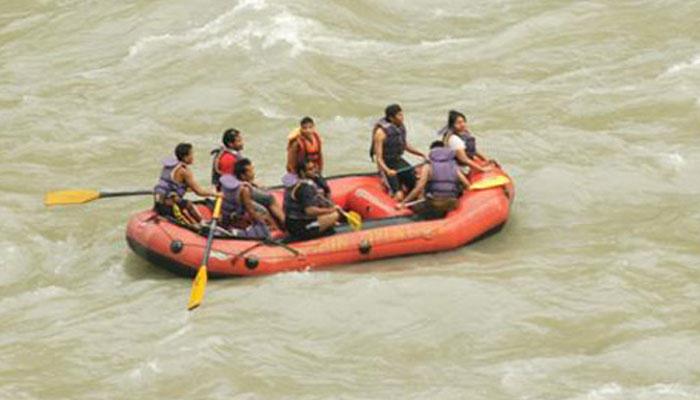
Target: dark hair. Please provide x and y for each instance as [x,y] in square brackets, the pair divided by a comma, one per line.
[230,135]
[452,117]
[306,120]
[301,166]
[436,144]
[391,110]
[241,166]
[182,150]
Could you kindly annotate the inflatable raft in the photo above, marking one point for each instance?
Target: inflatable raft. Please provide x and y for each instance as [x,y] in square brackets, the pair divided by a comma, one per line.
[386,232]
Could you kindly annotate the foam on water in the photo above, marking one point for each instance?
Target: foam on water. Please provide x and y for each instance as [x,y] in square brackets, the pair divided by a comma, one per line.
[248,23]
[212,27]
[659,391]
[683,66]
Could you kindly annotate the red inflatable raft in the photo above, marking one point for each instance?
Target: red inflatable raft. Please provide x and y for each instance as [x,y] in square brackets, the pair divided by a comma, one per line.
[386,232]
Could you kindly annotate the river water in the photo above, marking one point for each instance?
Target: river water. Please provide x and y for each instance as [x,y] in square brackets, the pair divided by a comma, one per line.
[592,291]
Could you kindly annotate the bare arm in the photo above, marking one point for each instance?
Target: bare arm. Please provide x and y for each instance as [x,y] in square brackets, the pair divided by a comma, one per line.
[415,151]
[247,201]
[463,159]
[420,185]
[463,179]
[292,156]
[314,211]
[379,137]
[191,183]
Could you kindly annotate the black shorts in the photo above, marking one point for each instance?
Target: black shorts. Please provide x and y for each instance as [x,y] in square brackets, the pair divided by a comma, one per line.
[165,207]
[403,180]
[300,229]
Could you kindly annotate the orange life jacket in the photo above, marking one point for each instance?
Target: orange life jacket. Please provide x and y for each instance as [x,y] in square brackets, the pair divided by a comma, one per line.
[310,150]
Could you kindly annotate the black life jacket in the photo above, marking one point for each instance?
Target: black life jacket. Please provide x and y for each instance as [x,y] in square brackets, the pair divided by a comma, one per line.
[467,138]
[395,142]
[293,209]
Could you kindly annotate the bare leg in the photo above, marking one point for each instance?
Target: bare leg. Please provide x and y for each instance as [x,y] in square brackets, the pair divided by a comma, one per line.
[399,195]
[277,213]
[193,212]
[328,221]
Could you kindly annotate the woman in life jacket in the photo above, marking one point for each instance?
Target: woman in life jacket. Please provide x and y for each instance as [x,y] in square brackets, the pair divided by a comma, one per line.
[308,213]
[225,156]
[441,182]
[389,142]
[457,137]
[304,143]
[175,180]
[259,205]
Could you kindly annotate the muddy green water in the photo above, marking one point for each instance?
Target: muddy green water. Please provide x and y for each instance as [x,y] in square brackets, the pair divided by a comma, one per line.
[592,291]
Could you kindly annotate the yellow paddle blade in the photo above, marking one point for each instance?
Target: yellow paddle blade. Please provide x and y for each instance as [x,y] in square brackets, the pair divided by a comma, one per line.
[198,286]
[489,183]
[217,208]
[354,219]
[70,197]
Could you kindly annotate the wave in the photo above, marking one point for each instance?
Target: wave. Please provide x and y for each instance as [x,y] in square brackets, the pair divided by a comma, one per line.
[679,67]
[264,27]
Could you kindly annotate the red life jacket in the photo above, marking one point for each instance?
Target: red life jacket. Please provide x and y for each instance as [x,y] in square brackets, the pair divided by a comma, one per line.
[216,171]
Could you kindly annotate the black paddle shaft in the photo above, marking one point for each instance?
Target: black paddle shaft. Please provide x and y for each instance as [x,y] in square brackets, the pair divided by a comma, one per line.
[210,241]
[406,169]
[124,194]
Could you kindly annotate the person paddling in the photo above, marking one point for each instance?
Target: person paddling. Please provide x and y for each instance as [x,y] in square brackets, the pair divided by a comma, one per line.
[175,179]
[304,143]
[308,214]
[441,180]
[225,156]
[258,203]
[457,137]
[389,142]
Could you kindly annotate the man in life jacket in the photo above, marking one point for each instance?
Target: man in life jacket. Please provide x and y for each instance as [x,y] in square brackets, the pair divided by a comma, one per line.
[175,179]
[226,155]
[441,181]
[389,142]
[240,216]
[258,203]
[304,143]
[457,137]
[309,214]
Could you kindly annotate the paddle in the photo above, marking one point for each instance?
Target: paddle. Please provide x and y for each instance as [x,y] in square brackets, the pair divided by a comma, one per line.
[200,280]
[410,167]
[80,196]
[489,183]
[354,218]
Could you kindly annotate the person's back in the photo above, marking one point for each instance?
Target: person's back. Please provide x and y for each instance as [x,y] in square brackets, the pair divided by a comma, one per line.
[442,182]
[443,187]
